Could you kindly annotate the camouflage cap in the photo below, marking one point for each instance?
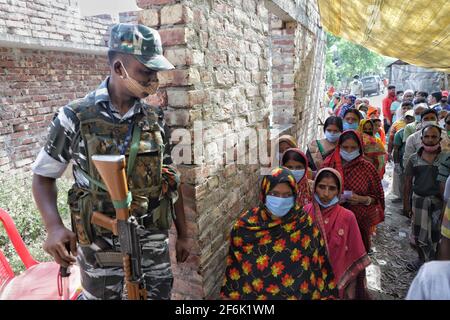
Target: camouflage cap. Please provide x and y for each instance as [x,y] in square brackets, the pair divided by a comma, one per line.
[142,42]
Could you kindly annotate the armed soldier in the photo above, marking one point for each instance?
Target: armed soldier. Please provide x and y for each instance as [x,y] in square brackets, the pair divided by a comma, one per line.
[112,120]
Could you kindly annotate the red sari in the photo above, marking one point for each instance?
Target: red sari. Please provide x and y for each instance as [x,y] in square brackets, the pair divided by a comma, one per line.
[346,250]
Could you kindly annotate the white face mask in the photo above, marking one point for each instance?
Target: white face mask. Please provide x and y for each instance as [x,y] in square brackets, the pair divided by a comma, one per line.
[428,123]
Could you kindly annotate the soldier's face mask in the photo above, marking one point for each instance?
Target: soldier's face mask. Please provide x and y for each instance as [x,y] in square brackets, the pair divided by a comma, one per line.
[136,88]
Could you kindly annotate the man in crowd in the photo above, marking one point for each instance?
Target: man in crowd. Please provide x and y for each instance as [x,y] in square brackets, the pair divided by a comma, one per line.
[399,124]
[356,87]
[417,124]
[425,207]
[414,141]
[434,100]
[396,106]
[387,115]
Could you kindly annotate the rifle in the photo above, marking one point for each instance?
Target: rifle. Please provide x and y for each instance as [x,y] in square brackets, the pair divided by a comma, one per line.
[125,226]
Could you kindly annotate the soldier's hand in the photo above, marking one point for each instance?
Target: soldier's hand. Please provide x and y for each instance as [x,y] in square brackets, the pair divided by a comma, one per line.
[182,249]
[57,242]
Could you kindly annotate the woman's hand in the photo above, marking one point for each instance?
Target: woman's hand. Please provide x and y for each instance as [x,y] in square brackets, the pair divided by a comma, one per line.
[356,199]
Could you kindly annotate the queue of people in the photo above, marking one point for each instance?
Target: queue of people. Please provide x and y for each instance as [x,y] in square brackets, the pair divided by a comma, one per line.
[310,235]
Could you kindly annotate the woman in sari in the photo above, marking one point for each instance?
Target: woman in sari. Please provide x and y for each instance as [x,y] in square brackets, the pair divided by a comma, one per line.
[287,142]
[379,130]
[296,161]
[276,249]
[318,150]
[372,146]
[346,250]
[363,192]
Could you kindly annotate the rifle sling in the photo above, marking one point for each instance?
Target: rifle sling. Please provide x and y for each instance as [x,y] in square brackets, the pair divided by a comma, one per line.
[134,148]
[93,181]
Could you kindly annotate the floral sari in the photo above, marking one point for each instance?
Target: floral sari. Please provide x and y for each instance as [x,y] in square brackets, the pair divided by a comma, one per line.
[277,258]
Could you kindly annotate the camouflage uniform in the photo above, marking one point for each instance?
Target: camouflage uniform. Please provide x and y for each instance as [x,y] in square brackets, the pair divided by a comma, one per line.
[92,125]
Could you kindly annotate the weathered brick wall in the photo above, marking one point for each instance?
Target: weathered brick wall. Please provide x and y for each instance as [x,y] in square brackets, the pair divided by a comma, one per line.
[283,59]
[220,50]
[51,22]
[49,56]
[298,52]
[33,85]
[309,81]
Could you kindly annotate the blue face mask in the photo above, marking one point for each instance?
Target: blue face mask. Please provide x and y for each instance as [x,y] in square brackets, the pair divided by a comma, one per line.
[333,201]
[350,126]
[418,119]
[349,156]
[332,137]
[279,206]
[298,174]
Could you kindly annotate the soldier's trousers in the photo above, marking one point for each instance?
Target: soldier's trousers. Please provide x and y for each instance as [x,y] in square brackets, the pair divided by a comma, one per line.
[107,283]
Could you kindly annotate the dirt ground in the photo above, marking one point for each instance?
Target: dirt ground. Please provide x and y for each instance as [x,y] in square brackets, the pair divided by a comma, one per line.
[387,277]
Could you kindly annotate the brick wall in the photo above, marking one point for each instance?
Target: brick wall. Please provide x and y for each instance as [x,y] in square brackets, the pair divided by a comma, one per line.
[33,85]
[55,21]
[221,56]
[50,55]
[283,59]
[309,79]
[298,52]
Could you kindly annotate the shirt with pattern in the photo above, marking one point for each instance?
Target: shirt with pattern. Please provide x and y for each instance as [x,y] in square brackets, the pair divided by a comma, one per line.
[425,174]
[60,147]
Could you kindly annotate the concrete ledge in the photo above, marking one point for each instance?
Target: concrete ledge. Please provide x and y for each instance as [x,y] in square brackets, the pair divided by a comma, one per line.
[16,41]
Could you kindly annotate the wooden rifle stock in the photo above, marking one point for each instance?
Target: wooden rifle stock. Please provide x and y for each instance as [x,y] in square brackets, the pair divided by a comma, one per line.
[112,171]
[104,221]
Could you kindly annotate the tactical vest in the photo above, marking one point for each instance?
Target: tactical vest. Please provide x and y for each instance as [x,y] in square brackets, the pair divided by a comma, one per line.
[98,135]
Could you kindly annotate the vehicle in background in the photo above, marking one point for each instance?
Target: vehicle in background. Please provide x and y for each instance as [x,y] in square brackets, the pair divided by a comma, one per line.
[371,84]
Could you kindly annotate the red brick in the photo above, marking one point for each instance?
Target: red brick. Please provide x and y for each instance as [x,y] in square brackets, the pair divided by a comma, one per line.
[149,17]
[173,36]
[284,42]
[198,97]
[173,78]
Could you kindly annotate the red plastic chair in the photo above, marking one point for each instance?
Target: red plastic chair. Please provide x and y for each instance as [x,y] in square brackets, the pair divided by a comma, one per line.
[39,281]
